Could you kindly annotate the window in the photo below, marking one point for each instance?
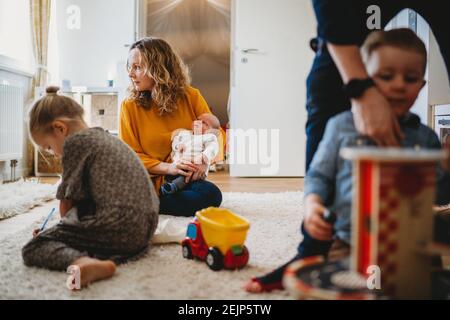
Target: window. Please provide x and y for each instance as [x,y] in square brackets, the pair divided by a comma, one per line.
[192,231]
[15,33]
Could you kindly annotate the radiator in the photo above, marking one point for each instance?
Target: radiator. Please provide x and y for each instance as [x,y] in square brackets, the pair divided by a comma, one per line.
[11,121]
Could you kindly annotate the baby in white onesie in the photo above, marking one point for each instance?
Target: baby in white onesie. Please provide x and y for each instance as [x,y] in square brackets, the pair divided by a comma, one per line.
[199,145]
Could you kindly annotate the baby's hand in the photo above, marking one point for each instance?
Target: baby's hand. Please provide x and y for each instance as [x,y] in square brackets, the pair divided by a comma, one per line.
[36,232]
[200,159]
[314,223]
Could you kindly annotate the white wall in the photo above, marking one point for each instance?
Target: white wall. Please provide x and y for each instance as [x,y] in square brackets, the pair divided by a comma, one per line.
[439,92]
[15,32]
[88,56]
[437,89]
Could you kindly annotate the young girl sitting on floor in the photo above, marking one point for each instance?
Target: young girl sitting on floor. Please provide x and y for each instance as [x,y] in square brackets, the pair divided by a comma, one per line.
[105,190]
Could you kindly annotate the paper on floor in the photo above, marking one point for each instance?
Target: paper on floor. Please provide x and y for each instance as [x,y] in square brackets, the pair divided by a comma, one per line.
[170,230]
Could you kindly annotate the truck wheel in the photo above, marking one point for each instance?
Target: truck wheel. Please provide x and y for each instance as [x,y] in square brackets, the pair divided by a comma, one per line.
[214,259]
[187,252]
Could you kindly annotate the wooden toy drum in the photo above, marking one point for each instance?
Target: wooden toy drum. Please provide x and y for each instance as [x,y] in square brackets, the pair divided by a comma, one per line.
[316,278]
[392,218]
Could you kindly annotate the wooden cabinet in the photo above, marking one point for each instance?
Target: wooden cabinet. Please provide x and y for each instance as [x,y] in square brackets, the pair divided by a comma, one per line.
[101,109]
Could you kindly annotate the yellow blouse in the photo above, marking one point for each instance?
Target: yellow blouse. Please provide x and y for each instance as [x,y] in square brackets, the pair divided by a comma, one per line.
[149,134]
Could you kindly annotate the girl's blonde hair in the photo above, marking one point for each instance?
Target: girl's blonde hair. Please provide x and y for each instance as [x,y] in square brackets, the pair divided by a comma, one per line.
[167,69]
[51,107]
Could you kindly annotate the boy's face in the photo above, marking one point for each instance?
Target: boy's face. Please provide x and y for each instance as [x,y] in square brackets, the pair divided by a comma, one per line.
[398,74]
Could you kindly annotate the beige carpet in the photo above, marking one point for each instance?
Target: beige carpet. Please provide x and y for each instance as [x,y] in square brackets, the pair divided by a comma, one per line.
[163,273]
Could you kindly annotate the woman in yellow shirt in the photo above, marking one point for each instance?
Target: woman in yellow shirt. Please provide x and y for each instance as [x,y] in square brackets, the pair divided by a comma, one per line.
[161,101]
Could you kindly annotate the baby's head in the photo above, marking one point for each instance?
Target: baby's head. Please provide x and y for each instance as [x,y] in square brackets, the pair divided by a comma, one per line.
[52,118]
[396,61]
[209,121]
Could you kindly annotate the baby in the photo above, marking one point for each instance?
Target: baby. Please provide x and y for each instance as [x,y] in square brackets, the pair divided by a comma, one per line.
[108,204]
[197,146]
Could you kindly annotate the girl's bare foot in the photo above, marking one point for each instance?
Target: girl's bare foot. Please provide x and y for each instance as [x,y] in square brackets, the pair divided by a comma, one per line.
[253,286]
[256,285]
[92,270]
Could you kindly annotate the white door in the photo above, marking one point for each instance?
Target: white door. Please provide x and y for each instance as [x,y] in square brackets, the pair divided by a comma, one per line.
[270,61]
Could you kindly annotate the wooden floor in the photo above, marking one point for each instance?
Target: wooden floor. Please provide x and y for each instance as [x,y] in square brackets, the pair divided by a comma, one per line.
[232,184]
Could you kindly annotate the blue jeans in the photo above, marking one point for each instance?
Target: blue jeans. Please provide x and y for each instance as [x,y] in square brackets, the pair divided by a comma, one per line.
[195,196]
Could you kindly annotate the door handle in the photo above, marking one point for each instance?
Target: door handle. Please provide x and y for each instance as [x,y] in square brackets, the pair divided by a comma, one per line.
[250,50]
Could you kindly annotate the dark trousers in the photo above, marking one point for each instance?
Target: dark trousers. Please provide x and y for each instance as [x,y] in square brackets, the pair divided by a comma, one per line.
[312,247]
[324,99]
[195,196]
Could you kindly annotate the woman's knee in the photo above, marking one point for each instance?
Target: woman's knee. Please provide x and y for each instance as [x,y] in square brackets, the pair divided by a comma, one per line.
[216,197]
[213,195]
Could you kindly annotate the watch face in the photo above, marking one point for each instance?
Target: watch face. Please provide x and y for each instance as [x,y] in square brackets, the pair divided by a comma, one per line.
[359,88]
[356,87]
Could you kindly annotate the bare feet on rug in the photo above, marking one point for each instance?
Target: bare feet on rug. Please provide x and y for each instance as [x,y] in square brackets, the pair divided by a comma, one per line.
[92,270]
[253,286]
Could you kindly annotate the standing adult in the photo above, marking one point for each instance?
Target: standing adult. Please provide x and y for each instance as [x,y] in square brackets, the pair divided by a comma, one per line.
[338,76]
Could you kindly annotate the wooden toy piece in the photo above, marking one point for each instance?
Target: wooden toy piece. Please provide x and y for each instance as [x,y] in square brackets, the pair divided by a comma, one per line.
[392,218]
[217,236]
[316,278]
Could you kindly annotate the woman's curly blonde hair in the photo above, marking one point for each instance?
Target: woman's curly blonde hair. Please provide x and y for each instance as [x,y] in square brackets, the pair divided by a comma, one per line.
[166,68]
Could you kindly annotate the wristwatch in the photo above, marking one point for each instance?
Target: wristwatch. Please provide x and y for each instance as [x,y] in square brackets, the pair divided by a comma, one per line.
[356,87]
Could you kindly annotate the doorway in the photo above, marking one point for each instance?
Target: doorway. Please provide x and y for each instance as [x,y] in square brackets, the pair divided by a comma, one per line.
[200,31]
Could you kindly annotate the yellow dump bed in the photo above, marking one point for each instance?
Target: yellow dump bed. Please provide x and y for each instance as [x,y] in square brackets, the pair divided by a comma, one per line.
[222,228]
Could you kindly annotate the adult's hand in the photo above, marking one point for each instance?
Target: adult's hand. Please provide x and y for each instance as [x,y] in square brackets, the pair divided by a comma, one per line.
[201,166]
[372,114]
[182,167]
[374,117]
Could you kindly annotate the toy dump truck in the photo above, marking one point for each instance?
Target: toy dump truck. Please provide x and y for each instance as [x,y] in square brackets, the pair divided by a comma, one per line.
[217,237]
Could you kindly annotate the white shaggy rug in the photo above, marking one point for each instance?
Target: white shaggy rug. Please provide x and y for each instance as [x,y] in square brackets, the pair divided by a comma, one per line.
[163,273]
[18,197]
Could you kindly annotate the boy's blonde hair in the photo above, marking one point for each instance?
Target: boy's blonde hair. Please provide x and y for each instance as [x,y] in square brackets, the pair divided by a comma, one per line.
[402,38]
[167,69]
[51,107]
